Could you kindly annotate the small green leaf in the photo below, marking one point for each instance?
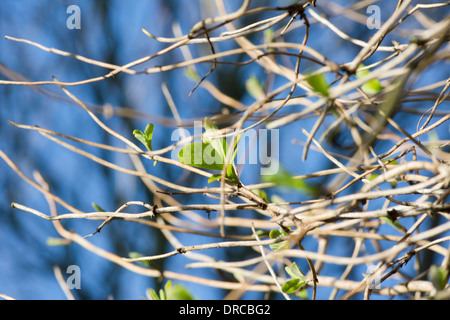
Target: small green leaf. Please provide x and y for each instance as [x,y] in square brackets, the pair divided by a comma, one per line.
[275,198]
[179,292]
[261,193]
[292,285]
[236,148]
[200,155]
[153,294]
[371,86]
[214,177]
[209,125]
[294,271]
[231,174]
[146,137]
[170,292]
[162,294]
[98,208]
[392,162]
[51,241]
[396,224]
[134,255]
[262,233]
[168,285]
[219,144]
[254,88]
[203,155]
[438,276]
[149,131]
[191,74]
[140,136]
[284,179]
[393,184]
[302,294]
[274,234]
[167,289]
[297,281]
[268,36]
[209,154]
[318,83]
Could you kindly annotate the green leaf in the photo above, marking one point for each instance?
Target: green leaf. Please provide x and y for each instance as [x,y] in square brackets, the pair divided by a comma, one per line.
[208,154]
[396,224]
[134,255]
[98,208]
[51,241]
[140,136]
[371,86]
[219,144]
[393,162]
[274,234]
[292,285]
[162,295]
[275,198]
[203,155]
[231,174]
[318,83]
[254,87]
[167,290]
[179,292]
[214,177]
[294,271]
[302,294]
[200,155]
[297,281]
[268,36]
[191,74]
[170,292]
[261,193]
[149,131]
[146,137]
[153,294]
[236,148]
[438,276]
[262,233]
[284,179]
